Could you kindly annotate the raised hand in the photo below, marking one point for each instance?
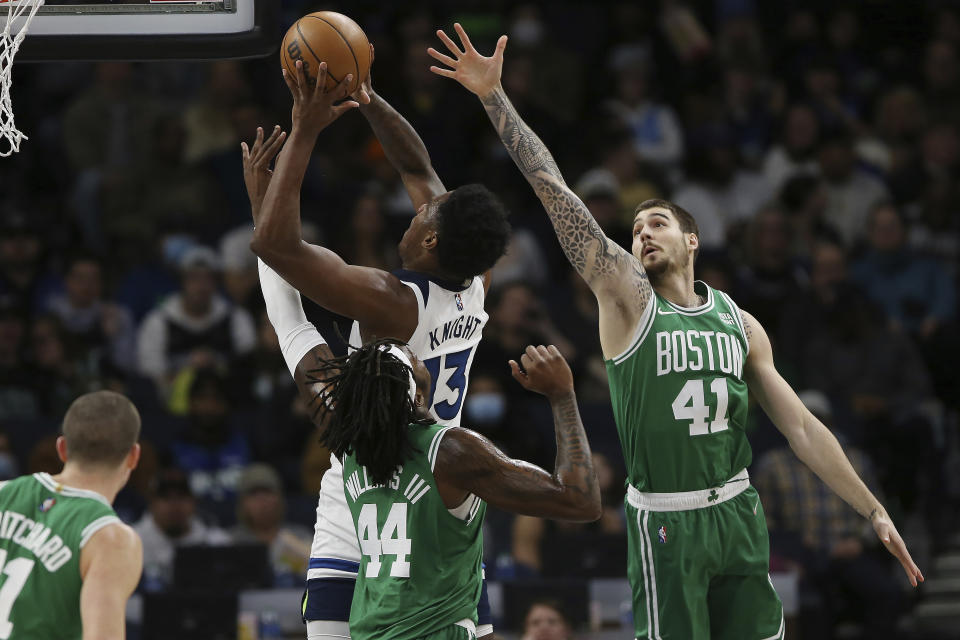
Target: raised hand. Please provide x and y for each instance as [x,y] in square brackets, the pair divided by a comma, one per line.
[894,543]
[479,74]
[314,106]
[256,165]
[544,371]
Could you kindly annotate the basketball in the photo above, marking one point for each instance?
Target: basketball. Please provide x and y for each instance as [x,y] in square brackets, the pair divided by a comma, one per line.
[327,36]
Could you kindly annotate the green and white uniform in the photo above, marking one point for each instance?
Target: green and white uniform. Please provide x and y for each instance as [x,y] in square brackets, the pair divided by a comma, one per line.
[43,527]
[698,544]
[420,567]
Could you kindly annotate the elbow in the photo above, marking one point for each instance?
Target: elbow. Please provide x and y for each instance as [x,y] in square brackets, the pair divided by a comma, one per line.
[585,509]
[264,246]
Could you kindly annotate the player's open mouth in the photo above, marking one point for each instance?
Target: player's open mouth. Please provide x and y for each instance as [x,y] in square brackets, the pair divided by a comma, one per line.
[648,250]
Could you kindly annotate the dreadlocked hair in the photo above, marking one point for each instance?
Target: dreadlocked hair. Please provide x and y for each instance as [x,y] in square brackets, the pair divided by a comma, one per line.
[366,397]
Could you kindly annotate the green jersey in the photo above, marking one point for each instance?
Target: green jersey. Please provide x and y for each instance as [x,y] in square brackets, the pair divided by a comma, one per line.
[420,565]
[679,398]
[43,527]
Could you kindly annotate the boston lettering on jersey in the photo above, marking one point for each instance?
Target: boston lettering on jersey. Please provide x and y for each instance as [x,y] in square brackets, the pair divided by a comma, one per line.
[462,327]
[36,538]
[357,483]
[693,350]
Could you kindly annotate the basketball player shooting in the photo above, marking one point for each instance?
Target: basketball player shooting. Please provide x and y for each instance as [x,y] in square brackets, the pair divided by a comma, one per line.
[434,303]
[680,358]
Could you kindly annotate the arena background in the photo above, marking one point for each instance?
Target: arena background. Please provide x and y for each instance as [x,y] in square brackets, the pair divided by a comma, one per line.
[817,143]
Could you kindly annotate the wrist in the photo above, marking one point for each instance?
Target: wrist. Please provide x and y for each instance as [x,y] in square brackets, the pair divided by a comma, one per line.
[486,95]
[561,395]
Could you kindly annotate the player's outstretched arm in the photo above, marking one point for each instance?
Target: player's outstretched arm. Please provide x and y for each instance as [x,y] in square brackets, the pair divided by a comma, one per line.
[471,463]
[813,443]
[608,268]
[380,301]
[403,146]
[110,566]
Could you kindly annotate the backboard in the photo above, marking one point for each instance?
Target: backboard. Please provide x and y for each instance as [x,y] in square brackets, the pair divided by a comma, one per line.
[149,29]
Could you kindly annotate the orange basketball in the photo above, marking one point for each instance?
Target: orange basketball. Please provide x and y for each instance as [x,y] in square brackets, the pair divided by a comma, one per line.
[326,36]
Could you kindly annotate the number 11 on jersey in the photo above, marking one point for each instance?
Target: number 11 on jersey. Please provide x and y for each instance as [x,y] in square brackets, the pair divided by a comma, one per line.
[689,405]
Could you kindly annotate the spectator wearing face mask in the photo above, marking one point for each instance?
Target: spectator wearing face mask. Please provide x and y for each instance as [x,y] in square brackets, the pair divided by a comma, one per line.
[546,620]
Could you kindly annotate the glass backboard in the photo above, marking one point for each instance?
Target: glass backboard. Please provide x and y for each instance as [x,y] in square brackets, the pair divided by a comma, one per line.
[149,29]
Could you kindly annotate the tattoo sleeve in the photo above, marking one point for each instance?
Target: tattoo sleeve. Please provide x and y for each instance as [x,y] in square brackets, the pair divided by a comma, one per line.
[472,463]
[595,257]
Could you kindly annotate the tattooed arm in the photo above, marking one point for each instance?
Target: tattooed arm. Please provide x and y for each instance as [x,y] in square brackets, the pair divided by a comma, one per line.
[615,276]
[469,463]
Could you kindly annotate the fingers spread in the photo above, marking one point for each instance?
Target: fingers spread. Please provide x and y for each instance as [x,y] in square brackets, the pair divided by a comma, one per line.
[464,38]
[445,59]
[446,73]
[454,49]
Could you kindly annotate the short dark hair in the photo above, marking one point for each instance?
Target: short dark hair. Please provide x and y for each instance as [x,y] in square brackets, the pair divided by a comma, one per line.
[366,397]
[100,428]
[550,603]
[472,230]
[688,224]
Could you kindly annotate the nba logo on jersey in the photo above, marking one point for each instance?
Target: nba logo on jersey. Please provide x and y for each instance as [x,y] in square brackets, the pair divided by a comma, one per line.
[47,504]
[662,534]
[459,302]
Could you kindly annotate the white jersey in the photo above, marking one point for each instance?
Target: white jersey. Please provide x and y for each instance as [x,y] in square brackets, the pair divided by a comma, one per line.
[449,327]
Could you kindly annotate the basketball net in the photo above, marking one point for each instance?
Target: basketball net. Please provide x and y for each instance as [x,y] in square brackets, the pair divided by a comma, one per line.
[8,49]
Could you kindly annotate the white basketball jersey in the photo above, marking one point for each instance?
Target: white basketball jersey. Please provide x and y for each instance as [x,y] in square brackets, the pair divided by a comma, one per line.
[448,331]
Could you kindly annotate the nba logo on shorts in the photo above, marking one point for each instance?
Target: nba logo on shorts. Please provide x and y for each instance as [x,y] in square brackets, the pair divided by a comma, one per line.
[662,534]
[459,302]
[47,504]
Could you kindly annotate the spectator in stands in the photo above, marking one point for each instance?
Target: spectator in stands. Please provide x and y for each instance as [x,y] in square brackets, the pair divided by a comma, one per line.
[22,392]
[23,280]
[517,318]
[260,518]
[171,521]
[938,160]
[212,450]
[812,528]
[898,124]
[653,126]
[64,378]
[365,241]
[194,328]
[554,548]
[851,191]
[941,74]
[718,192]
[796,151]
[771,277]
[804,200]
[240,268]
[915,293]
[546,620]
[94,327]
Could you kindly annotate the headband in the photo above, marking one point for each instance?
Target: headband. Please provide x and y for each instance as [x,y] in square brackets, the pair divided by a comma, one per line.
[397,353]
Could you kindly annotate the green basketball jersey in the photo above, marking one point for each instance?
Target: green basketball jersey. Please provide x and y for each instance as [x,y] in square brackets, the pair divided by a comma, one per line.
[420,565]
[679,398]
[43,527]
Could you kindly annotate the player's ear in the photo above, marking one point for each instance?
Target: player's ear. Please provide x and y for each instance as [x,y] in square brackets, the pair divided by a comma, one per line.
[62,448]
[133,458]
[430,241]
[693,241]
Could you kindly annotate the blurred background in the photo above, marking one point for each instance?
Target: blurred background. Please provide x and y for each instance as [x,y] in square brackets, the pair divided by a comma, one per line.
[816,143]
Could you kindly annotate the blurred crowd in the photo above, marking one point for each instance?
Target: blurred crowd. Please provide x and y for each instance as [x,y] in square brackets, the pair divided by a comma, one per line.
[817,146]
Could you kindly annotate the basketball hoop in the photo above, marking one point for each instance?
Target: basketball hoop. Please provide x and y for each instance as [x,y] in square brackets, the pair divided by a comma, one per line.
[9,43]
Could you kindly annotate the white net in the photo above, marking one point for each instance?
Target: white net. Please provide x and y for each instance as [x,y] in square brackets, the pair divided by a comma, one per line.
[19,15]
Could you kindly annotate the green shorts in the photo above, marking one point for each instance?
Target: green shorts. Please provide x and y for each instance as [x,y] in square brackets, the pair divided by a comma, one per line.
[703,573]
